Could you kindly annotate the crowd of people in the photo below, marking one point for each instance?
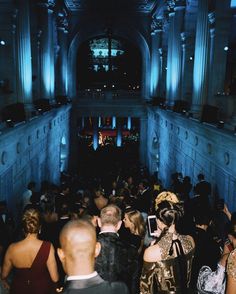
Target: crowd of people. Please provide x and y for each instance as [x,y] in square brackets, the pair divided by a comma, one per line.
[91,235]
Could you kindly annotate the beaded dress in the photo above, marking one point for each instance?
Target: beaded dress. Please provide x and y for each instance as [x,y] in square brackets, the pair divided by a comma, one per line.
[173,272]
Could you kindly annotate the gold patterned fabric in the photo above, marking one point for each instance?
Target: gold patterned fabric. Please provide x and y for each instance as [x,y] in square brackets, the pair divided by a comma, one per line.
[231,265]
[165,276]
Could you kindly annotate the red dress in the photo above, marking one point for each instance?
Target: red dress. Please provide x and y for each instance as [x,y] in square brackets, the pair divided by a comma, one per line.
[36,279]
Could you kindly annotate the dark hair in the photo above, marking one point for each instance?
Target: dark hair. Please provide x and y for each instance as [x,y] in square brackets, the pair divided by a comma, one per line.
[31,185]
[31,221]
[231,229]
[202,218]
[201,177]
[169,213]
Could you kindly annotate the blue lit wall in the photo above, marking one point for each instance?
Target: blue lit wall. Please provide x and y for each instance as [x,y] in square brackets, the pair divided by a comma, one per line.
[190,147]
[233,3]
[32,152]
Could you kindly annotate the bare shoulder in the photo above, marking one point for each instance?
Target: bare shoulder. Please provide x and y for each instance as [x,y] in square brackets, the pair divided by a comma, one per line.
[152,253]
[190,238]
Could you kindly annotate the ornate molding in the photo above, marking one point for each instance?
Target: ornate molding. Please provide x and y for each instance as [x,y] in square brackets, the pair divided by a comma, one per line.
[49,4]
[156,25]
[62,21]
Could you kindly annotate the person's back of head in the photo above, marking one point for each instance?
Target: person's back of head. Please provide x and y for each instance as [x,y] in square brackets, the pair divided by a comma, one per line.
[202,218]
[201,177]
[31,221]
[169,213]
[110,216]
[78,247]
[31,185]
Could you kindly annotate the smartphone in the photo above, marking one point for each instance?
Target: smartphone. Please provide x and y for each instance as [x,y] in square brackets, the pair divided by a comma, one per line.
[152,224]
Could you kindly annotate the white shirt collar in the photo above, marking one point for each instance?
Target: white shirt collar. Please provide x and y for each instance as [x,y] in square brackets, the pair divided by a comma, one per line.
[107,231]
[82,277]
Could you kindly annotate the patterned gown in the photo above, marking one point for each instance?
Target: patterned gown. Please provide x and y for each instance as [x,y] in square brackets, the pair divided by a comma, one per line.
[166,276]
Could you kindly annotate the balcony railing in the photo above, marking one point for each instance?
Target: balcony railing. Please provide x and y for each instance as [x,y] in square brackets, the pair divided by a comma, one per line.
[100,95]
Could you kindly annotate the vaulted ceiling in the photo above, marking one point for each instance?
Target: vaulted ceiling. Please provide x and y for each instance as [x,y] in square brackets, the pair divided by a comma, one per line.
[145,6]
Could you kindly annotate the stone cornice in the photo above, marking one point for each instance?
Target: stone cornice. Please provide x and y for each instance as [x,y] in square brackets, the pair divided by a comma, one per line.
[156,25]
[62,21]
[49,4]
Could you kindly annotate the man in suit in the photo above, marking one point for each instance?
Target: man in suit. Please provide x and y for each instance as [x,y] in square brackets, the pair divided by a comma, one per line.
[144,198]
[203,189]
[78,251]
[112,262]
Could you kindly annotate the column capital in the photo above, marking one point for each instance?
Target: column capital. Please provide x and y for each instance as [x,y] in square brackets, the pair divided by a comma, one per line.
[212,19]
[156,25]
[49,4]
[62,21]
[173,5]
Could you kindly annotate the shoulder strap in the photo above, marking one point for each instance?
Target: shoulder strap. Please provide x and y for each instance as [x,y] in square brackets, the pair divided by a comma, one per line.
[42,255]
[182,263]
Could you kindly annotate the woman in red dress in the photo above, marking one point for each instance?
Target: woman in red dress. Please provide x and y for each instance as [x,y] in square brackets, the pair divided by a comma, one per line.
[33,261]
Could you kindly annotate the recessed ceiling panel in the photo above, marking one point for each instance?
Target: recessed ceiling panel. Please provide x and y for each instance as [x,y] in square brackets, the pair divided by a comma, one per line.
[136,5]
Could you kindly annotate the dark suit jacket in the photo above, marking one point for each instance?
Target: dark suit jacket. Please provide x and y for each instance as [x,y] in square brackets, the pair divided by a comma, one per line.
[95,285]
[203,188]
[144,201]
[112,262]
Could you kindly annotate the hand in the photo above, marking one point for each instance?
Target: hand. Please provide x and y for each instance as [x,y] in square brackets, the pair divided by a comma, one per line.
[226,211]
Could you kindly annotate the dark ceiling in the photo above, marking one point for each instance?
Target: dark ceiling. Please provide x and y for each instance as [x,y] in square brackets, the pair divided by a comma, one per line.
[145,6]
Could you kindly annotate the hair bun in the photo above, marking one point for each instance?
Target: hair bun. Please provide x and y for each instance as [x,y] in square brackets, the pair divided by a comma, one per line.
[31,221]
[166,195]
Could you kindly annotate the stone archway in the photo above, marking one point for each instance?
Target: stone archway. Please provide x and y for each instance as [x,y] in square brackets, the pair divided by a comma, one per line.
[132,35]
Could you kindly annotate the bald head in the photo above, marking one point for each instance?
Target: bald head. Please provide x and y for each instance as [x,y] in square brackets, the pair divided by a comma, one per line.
[78,239]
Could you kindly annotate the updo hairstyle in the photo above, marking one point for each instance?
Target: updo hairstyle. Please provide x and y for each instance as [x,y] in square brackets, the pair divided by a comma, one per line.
[31,221]
[169,212]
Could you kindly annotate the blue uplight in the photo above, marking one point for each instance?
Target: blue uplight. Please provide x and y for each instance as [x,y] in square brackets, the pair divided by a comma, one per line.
[233,3]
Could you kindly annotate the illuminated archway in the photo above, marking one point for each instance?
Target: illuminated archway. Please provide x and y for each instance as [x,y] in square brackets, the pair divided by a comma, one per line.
[132,35]
[108,62]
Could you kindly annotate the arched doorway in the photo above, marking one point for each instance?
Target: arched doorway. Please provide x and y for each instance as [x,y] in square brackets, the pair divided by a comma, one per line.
[109,63]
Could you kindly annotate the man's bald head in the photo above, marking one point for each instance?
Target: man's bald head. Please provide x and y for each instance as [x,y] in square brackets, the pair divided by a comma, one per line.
[78,239]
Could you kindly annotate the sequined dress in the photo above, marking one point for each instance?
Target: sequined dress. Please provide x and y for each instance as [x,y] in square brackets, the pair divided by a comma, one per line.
[170,275]
[231,265]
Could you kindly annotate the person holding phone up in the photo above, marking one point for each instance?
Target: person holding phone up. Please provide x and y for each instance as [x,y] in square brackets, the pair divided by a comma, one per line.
[167,263]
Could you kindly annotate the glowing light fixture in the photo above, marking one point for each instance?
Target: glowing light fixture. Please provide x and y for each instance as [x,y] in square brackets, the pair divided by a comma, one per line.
[2,42]
[226,48]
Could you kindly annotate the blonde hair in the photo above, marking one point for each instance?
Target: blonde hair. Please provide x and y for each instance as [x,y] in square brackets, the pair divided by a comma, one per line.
[166,195]
[31,221]
[136,218]
[111,214]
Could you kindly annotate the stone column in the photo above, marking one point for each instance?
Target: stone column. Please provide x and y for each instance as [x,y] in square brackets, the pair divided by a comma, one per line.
[23,56]
[82,122]
[129,123]
[113,122]
[99,121]
[155,56]
[95,133]
[143,141]
[169,59]
[162,80]
[119,133]
[174,52]
[183,66]
[47,50]
[201,58]
[62,86]
[219,32]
